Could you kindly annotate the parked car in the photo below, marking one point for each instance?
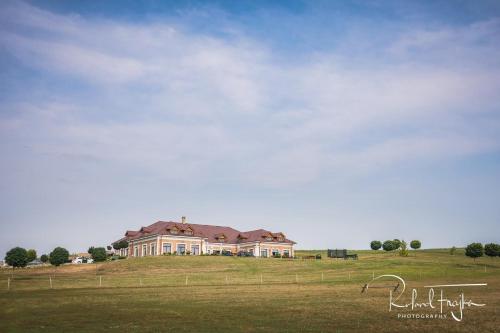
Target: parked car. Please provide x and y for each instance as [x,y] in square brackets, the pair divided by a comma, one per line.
[82,260]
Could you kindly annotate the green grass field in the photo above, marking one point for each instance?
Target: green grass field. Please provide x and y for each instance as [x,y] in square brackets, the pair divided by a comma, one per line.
[230,294]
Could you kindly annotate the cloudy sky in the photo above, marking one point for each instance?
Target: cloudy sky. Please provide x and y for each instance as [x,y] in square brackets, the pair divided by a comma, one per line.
[334,122]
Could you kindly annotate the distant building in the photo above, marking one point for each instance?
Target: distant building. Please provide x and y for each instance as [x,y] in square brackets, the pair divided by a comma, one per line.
[186,238]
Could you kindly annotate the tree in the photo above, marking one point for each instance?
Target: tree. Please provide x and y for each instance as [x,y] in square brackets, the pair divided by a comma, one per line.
[389,245]
[403,251]
[109,248]
[58,256]
[116,246]
[474,250]
[123,244]
[31,255]
[99,254]
[44,258]
[17,257]
[375,245]
[492,250]
[90,250]
[415,244]
[397,244]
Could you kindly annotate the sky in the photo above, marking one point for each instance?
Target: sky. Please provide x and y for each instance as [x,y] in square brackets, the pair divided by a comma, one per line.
[337,123]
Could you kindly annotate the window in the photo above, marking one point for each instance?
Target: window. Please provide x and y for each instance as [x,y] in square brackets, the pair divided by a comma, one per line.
[167,248]
[263,253]
[152,250]
[251,251]
[136,251]
[181,248]
[268,238]
[195,250]
[174,231]
[275,252]
[286,253]
[188,232]
[144,250]
[280,239]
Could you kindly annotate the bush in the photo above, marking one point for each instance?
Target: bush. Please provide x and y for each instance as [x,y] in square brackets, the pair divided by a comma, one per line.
[415,244]
[453,250]
[59,256]
[90,250]
[17,257]
[492,250]
[318,256]
[99,254]
[474,250]
[44,258]
[397,243]
[389,245]
[286,255]
[375,245]
[403,249]
[31,255]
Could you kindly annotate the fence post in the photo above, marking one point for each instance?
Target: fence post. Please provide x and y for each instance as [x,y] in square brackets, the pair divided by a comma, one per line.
[50,281]
[100,280]
[8,283]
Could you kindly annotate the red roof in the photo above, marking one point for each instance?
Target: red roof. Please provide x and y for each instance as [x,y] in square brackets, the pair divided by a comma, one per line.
[211,232]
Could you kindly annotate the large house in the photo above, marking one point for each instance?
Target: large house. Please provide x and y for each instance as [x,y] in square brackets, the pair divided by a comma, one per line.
[186,238]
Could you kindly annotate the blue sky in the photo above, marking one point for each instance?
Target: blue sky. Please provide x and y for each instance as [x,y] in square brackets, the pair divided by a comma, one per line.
[334,122]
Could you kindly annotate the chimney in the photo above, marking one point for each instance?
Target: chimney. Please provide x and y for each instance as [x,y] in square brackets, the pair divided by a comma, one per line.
[183,220]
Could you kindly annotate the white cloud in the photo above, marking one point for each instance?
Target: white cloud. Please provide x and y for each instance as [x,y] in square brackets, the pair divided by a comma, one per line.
[213,107]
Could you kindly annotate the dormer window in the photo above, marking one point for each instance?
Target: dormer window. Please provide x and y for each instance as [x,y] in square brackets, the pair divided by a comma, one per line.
[188,232]
[268,238]
[174,231]
[280,238]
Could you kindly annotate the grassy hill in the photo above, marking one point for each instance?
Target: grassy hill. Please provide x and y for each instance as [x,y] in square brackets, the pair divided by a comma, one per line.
[230,294]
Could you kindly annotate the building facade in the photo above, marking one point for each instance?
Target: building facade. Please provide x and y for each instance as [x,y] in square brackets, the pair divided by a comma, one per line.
[195,239]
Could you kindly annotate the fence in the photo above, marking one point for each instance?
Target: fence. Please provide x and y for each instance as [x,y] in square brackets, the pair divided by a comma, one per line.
[19,282]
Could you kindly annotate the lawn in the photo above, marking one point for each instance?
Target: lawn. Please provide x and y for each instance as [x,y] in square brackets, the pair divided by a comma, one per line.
[230,294]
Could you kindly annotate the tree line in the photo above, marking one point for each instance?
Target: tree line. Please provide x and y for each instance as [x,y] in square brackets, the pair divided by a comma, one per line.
[20,257]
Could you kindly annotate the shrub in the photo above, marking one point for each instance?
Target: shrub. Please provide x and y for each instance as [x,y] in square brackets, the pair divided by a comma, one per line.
[17,257]
[286,255]
[403,249]
[99,254]
[415,244]
[59,256]
[90,250]
[453,250]
[375,245]
[44,258]
[397,244]
[31,255]
[492,250]
[474,250]
[318,256]
[389,245]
